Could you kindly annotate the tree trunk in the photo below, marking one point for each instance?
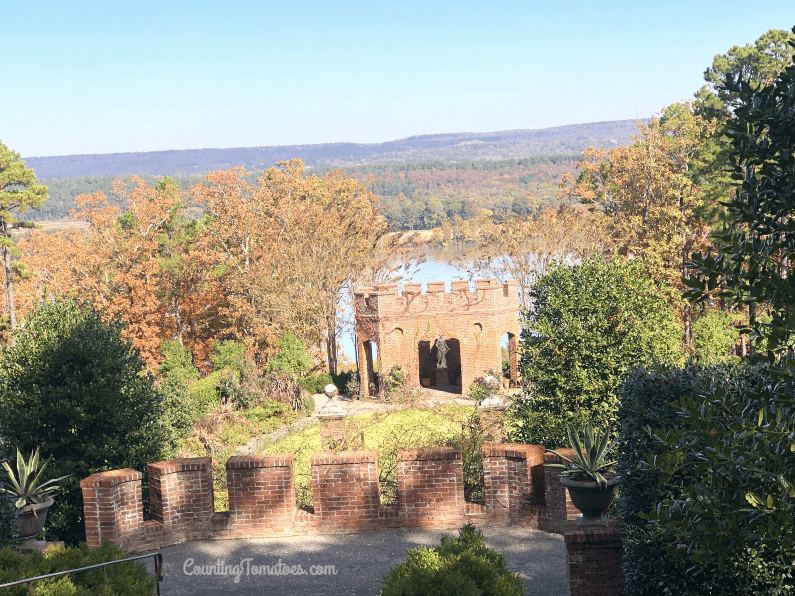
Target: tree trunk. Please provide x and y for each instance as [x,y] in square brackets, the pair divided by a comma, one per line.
[688,326]
[331,346]
[12,314]
[751,320]
[685,275]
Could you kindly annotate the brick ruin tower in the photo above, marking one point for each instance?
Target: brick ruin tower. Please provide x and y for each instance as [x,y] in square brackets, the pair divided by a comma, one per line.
[404,328]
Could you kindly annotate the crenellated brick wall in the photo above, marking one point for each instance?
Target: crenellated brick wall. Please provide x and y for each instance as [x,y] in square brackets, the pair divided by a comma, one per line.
[346,496]
[513,476]
[345,486]
[261,495]
[405,325]
[431,487]
[112,507]
[181,491]
[559,508]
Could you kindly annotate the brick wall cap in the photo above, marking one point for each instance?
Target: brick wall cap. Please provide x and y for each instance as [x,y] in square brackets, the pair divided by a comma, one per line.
[172,466]
[344,457]
[428,454]
[516,450]
[572,533]
[551,458]
[240,462]
[111,478]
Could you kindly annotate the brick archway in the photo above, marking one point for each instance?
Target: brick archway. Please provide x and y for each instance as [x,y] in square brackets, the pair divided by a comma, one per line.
[445,379]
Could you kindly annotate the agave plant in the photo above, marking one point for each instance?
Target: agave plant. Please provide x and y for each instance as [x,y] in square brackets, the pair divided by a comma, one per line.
[588,461]
[27,484]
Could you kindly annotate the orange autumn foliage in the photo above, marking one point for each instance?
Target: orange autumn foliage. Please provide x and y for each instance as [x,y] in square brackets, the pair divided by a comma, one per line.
[131,266]
[262,260]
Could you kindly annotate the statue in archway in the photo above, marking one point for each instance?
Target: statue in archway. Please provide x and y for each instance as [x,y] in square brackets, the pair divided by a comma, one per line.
[441,352]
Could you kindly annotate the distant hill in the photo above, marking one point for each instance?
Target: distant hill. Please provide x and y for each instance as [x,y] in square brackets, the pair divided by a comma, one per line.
[488,146]
[413,195]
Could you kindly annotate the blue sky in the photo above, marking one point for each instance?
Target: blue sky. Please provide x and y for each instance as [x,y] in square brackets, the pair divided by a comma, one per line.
[140,76]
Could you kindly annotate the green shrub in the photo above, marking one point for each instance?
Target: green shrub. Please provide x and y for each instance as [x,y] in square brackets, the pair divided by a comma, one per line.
[292,356]
[713,337]
[342,379]
[461,566]
[72,386]
[478,427]
[266,411]
[746,443]
[8,530]
[231,354]
[307,405]
[315,383]
[480,390]
[661,558]
[396,377]
[176,373]
[352,387]
[590,325]
[205,393]
[124,579]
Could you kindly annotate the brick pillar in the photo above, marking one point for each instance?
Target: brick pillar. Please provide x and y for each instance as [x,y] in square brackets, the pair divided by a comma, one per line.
[594,554]
[431,487]
[112,507]
[345,489]
[558,503]
[181,495]
[261,494]
[497,487]
[513,476]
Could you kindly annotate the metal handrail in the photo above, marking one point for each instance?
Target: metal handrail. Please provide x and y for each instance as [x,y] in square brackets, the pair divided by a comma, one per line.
[158,572]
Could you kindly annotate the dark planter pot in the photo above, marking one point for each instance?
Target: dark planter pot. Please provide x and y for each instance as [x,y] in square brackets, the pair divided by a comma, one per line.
[590,498]
[31,519]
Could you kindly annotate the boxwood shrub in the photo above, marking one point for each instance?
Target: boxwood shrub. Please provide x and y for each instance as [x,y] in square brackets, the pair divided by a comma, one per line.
[658,561]
[460,566]
[124,579]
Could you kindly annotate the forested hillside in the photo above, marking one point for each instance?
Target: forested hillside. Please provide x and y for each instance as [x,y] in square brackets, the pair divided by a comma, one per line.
[485,146]
[414,195]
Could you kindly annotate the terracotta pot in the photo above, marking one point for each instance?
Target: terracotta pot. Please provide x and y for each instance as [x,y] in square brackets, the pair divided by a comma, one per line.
[590,498]
[31,519]
[425,381]
[506,383]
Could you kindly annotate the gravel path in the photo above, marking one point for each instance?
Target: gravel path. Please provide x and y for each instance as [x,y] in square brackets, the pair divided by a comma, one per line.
[359,561]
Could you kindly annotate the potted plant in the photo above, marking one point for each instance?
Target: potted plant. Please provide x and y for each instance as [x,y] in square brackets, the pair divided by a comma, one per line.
[588,476]
[33,497]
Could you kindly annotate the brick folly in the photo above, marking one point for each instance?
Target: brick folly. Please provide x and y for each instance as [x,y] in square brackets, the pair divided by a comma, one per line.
[401,328]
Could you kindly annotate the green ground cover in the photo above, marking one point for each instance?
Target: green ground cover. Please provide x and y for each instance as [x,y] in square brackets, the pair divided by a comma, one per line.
[463,427]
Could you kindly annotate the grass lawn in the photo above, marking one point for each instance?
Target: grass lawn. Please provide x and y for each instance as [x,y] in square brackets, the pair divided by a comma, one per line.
[390,432]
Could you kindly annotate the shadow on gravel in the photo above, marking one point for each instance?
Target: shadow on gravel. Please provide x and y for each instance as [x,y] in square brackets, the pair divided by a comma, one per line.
[344,565]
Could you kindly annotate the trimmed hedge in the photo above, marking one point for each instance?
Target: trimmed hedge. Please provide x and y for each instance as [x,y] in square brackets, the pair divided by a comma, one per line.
[124,579]
[461,566]
[658,561]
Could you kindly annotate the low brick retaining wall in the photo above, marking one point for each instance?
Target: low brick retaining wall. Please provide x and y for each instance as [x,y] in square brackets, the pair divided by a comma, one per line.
[518,490]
